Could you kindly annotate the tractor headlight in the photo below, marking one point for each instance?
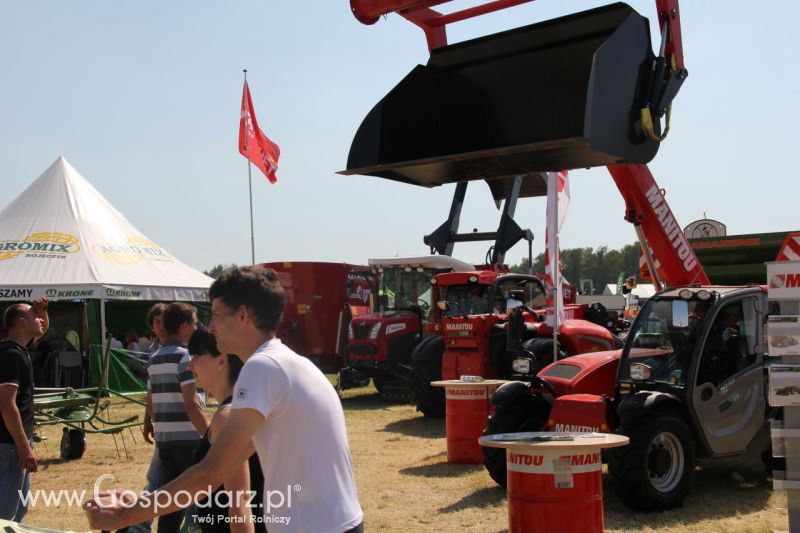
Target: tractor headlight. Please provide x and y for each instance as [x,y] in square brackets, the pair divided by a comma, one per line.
[521,366]
[391,328]
[640,371]
[376,329]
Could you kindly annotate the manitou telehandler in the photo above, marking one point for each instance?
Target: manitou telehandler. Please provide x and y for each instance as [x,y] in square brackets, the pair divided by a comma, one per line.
[581,91]
[477,308]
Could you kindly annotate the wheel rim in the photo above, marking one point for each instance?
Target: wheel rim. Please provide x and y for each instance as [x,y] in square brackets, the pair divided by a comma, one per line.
[665,461]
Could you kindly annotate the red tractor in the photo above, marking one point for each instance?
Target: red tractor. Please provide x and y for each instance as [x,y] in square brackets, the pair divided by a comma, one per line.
[379,343]
[479,309]
[403,315]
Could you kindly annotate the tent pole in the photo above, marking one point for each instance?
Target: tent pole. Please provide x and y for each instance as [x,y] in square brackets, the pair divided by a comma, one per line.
[103,343]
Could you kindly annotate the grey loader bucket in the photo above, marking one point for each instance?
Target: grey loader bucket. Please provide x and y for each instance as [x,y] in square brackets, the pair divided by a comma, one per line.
[560,94]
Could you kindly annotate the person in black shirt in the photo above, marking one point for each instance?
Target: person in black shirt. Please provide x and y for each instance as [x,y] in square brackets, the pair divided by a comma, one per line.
[23,323]
[234,509]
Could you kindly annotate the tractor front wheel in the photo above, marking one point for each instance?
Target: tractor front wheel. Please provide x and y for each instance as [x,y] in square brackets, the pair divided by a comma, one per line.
[654,471]
[426,366]
[527,413]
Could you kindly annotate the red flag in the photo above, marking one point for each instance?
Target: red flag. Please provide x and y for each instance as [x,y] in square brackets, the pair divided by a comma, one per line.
[253,144]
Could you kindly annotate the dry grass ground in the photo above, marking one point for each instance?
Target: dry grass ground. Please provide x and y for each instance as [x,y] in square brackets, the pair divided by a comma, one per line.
[405,483]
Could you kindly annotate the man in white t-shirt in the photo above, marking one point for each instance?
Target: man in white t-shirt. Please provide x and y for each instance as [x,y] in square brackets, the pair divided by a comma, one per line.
[283,407]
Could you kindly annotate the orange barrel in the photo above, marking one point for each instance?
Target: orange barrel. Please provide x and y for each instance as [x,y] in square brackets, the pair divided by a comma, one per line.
[555,491]
[468,405]
[554,481]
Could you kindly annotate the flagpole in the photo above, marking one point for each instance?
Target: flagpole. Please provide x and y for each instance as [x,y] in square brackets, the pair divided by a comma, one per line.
[555,271]
[250,187]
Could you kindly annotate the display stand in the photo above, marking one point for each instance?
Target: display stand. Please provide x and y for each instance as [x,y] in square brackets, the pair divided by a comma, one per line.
[554,479]
[783,347]
[468,406]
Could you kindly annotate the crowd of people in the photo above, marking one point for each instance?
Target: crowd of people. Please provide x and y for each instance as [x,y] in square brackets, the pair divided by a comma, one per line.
[274,456]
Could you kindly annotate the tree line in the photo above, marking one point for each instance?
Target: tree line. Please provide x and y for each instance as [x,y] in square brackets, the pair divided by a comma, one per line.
[600,265]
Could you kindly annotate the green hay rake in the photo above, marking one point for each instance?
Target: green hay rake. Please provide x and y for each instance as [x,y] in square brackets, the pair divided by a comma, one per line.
[82,411]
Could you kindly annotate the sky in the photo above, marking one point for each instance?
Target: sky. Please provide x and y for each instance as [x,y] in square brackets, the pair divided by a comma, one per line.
[143,98]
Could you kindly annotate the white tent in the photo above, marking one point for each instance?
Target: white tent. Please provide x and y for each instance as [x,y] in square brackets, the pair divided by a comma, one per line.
[61,239]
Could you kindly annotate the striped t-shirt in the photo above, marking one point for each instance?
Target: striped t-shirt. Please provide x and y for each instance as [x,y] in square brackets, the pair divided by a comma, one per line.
[167,372]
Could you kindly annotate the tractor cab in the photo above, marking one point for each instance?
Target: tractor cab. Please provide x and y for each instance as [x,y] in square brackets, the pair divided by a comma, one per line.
[700,350]
[475,319]
[494,326]
[482,293]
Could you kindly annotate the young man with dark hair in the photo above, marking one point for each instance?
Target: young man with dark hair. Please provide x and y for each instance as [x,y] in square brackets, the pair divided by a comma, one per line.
[23,323]
[283,406]
[177,410]
[155,317]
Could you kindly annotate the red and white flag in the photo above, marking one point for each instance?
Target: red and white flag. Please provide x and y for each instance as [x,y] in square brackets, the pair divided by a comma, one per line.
[253,144]
[557,204]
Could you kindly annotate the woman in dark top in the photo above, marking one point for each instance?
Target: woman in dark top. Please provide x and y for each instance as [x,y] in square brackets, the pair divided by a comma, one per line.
[217,373]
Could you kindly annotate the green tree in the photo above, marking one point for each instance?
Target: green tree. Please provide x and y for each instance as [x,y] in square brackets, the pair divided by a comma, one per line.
[601,265]
[216,270]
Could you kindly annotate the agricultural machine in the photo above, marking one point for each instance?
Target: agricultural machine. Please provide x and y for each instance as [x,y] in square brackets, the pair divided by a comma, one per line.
[321,299]
[689,383]
[380,343]
[581,91]
[478,311]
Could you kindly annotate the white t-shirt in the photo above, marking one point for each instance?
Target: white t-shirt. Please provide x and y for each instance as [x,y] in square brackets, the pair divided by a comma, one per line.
[302,444]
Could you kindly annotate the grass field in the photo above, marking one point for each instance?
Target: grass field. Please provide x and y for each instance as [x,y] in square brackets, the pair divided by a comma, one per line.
[405,483]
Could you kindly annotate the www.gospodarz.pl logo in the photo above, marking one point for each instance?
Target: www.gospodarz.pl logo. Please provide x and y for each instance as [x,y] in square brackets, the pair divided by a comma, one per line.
[274,508]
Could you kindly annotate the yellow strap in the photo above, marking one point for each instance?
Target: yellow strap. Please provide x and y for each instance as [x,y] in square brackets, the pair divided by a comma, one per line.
[647,124]
[647,118]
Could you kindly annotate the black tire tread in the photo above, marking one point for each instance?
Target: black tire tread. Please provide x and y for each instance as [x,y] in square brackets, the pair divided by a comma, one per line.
[528,413]
[627,465]
[428,400]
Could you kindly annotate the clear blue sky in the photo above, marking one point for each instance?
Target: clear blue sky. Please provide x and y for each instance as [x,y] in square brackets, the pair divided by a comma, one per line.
[143,98]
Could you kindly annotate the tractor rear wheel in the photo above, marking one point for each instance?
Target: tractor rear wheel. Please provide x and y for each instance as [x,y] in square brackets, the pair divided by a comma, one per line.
[426,366]
[653,472]
[527,413]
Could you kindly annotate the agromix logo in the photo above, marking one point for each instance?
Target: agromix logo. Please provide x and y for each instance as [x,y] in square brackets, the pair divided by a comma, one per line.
[135,250]
[45,244]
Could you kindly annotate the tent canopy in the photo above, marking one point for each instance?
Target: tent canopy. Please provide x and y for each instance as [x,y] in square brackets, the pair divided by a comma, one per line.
[61,239]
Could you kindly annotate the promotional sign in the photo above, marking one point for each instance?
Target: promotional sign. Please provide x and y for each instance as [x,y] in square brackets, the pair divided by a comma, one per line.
[784,385]
[783,278]
[784,335]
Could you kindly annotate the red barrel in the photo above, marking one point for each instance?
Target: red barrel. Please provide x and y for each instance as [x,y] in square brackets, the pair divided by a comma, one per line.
[467,408]
[554,491]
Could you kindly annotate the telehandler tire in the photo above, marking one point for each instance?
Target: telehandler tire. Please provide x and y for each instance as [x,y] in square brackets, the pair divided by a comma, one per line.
[426,366]
[653,472]
[528,413]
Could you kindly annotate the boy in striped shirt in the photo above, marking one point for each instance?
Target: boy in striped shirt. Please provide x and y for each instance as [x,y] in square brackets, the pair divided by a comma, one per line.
[176,408]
